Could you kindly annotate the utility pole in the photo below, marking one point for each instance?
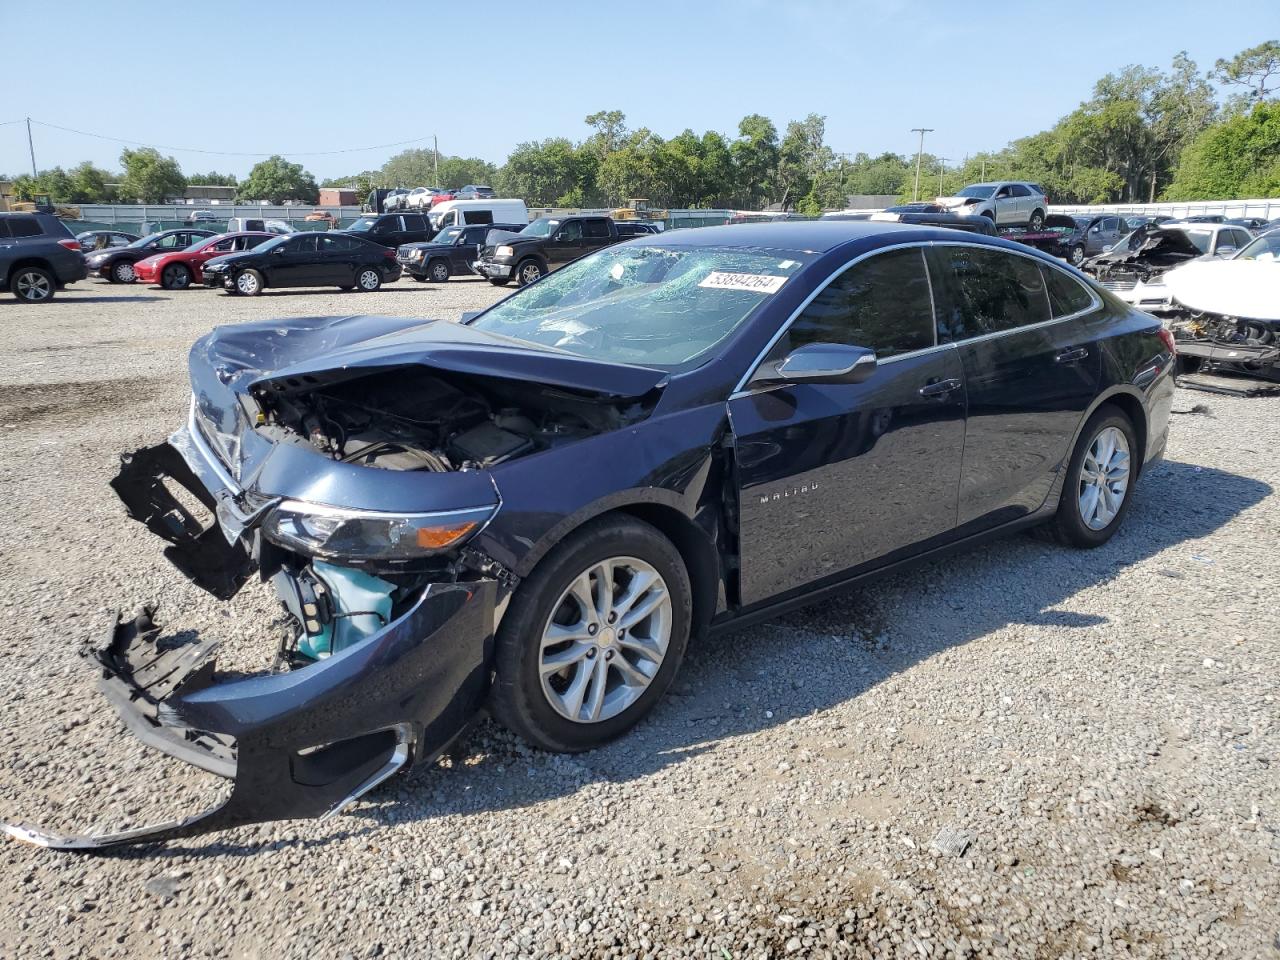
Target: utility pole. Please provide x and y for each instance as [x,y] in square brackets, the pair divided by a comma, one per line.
[435,160]
[942,166]
[32,147]
[922,131]
[984,168]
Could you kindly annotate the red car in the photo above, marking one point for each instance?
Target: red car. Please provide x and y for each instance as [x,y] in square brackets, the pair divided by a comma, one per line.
[179,269]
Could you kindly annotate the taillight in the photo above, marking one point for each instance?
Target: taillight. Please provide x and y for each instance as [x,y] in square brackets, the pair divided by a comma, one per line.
[1166,335]
[70,244]
[389,253]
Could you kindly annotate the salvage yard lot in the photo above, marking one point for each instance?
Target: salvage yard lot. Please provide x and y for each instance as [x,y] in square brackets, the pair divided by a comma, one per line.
[1101,726]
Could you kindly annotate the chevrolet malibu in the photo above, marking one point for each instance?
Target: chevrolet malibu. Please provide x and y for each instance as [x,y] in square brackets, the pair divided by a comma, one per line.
[537,510]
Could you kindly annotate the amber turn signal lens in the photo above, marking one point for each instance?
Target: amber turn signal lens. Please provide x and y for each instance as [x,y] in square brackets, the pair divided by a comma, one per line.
[433,538]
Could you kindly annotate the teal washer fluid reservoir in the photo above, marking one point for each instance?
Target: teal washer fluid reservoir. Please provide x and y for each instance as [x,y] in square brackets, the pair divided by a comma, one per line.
[362,606]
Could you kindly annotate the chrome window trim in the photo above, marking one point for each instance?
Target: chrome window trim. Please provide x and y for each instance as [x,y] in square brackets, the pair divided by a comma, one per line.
[1096,303]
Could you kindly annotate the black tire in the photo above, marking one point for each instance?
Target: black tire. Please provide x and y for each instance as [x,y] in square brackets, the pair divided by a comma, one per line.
[498,281]
[529,271]
[368,279]
[418,277]
[517,699]
[1068,526]
[122,272]
[1077,255]
[438,271]
[346,288]
[248,283]
[32,285]
[176,276]
[990,215]
[1036,221]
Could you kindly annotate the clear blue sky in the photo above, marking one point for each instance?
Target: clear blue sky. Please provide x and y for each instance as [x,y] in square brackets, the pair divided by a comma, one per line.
[295,78]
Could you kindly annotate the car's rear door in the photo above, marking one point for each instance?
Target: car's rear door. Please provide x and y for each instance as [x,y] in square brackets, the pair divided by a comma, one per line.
[836,476]
[339,258]
[1031,370]
[596,234]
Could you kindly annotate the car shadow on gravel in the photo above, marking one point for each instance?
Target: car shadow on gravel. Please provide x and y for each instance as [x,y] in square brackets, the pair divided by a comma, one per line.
[816,658]
[809,661]
[72,298]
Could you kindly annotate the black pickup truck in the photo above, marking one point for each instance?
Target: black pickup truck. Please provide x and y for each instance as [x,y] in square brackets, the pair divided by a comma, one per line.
[544,245]
[450,253]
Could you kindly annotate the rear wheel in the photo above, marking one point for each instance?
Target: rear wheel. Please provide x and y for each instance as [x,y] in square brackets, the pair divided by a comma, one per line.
[528,272]
[249,283]
[438,271]
[123,272]
[32,285]
[593,637]
[175,276]
[1097,491]
[368,279]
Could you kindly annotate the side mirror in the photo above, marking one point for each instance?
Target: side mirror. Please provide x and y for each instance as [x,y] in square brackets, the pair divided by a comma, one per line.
[820,363]
[278,250]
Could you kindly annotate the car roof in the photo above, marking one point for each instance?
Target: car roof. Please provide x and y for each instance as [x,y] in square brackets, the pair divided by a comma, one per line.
[815,236]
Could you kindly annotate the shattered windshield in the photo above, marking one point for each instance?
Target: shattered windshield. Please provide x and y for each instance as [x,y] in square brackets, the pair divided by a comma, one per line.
[1266,247]
[541,227]
[649,305]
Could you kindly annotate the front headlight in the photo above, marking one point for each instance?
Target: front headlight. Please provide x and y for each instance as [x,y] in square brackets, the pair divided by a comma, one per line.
[415,254]
[341,534]
[504,251]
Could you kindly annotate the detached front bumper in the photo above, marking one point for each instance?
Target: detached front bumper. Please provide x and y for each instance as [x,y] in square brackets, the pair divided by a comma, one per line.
[301,743]
[494,269]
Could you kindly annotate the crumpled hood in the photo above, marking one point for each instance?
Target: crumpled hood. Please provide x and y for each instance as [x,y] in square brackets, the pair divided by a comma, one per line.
[955,201]
[1234,288]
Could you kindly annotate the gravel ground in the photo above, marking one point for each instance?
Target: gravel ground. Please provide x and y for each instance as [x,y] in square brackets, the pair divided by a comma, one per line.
[1023,751]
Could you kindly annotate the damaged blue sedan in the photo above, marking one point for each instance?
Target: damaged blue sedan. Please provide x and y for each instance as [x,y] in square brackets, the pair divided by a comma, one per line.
[533,512]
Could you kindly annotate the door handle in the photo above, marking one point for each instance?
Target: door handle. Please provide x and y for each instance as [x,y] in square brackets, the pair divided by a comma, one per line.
[939,388]
[1071,355]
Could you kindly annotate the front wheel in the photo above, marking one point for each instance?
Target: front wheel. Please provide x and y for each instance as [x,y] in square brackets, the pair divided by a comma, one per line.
[1077,255]
[368,279]
[438,271]
[32,285]
[529,272]
[249,283]
[123,272]
[1099,481]
[175,277]
[593,637]
[1036,221]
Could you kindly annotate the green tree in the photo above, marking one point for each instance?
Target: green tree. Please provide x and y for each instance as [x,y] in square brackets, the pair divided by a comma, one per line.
[1254,69]
[1238,158]
[361,183]
[149,177]
[459,171]
[276,179]
[55,183]
[543,173]
[802,158]
[610,132]
[212,179]
[89,184]
[755,161]
[411,168]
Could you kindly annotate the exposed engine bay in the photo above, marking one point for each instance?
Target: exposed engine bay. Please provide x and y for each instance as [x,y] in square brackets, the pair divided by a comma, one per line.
[1211,344]
[416,419]
[1145,254]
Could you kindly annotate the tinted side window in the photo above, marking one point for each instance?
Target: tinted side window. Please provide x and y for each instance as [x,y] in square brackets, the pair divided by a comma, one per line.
[882,303]
[1067,295]
[595,229]
[1018,190]
[992,291]
[303,245]
[473,235]
[24,227]
[4,227]
[570,231]
[413,221]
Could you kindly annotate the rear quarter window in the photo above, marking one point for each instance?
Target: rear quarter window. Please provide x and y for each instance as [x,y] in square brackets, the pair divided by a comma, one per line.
[24,227]
[1067,295]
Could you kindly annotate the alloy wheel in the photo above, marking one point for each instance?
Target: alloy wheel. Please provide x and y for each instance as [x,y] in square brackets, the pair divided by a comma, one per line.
[33,286]
[247,284]
[1104,478]
[1077,255]
[439,272]
[125,272]
[369,280]
[606,640]
[175,277]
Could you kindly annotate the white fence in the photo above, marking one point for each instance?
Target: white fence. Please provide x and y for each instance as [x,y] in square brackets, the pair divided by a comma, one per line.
[1264,209]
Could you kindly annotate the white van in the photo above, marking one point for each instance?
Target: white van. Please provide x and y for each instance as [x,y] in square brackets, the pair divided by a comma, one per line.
[254,225]
[459,213]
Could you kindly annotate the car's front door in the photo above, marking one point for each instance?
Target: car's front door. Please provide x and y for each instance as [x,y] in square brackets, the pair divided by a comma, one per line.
[294,263]
[466,249]
[1031,369]
[836,476]
[1004,206]
[566,245]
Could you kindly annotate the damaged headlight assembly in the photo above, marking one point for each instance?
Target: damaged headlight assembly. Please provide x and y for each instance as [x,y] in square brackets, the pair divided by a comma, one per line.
[365,535]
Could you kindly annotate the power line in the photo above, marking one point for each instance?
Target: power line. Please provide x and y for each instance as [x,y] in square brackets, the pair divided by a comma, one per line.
[227,153]
[5,123]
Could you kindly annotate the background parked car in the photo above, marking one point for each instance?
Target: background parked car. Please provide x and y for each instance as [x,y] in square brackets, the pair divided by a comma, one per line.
[943,219]
[323,216]
[177,270]
[117,264]
[1011,203]
[392,229]
[460,213]
[395,199]
[201,216]
[449,254]
[256,225]
[546,244]
[1084,235]
[421,198]
[38,256]
[305,260]
[91,240]
[473,191]
[635,228]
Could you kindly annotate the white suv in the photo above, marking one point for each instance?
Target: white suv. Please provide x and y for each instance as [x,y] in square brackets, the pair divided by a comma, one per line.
[1008,203]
